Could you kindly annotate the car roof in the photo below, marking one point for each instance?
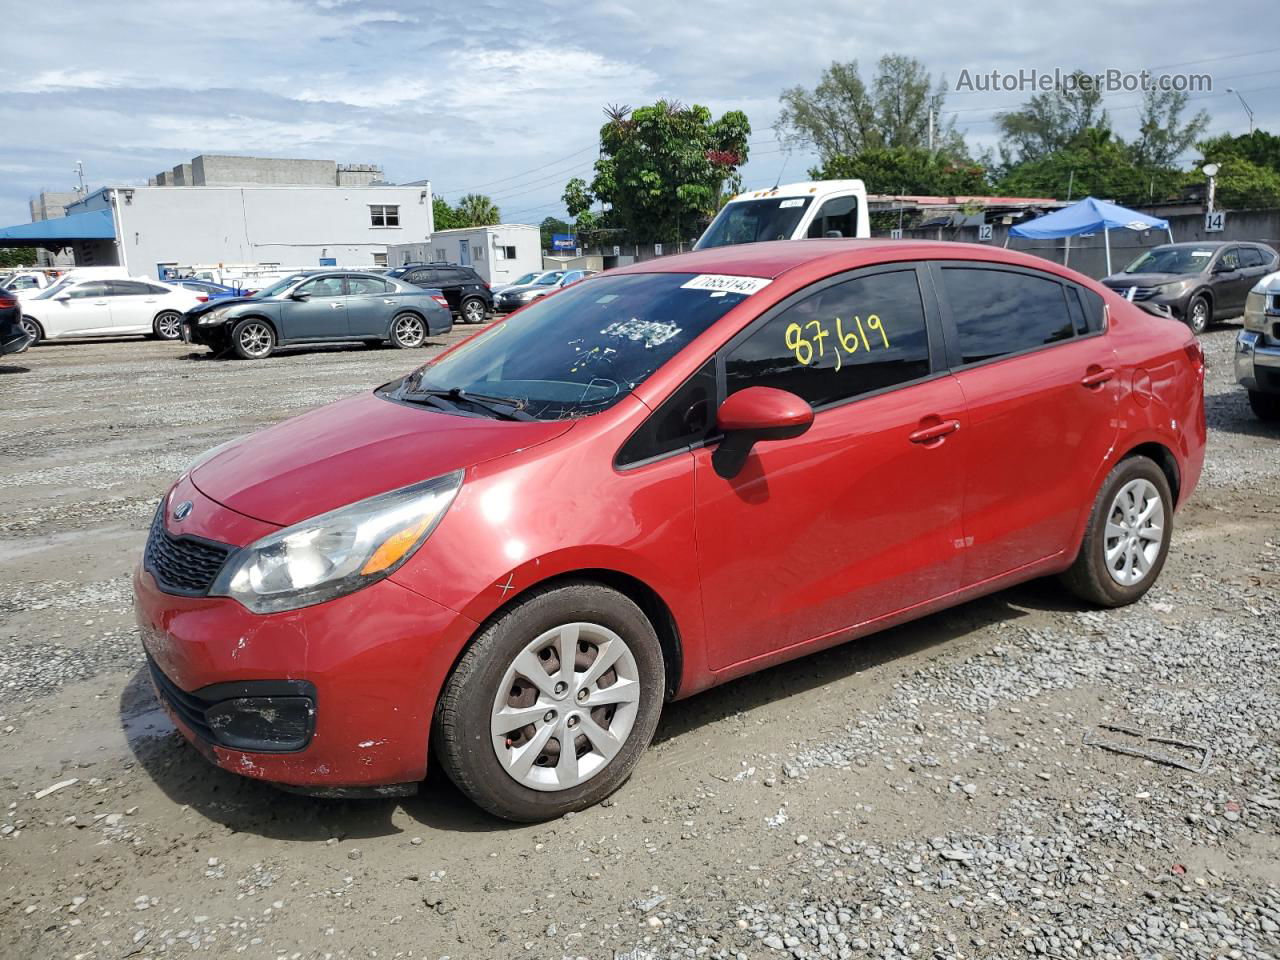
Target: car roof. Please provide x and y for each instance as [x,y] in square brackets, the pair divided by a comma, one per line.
[771,259]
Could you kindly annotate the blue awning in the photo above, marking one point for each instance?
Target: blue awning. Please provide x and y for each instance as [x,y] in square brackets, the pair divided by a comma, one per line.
[94,225]
[1087,216]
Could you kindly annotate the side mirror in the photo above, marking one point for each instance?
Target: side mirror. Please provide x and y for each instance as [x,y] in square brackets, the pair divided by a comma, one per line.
[752,415]
[1221,267]
[300,297]
[63,297]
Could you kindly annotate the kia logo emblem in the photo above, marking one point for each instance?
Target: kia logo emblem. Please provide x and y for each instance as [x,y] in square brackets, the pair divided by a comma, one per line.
[182,510]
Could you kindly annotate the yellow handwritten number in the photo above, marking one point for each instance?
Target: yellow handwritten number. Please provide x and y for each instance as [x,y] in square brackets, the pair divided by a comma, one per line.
[874,323]
[795,341]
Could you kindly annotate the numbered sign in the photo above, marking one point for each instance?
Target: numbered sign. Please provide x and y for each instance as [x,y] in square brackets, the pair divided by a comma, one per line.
[1215,222]
[657,249]
[617,250]
[895,233]
[984,233]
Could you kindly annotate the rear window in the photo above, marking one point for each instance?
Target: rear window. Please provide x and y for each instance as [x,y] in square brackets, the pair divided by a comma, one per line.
[999,312]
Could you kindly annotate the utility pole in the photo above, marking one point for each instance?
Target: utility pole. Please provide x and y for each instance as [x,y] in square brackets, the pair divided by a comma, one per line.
[931,131]
[1247,109]
[80,177]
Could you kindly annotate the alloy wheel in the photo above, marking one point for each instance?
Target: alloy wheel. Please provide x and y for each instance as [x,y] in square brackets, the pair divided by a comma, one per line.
[255,339]
[169,326]
[1199,315]
[473,311]
[565,707]
[1134,532]
[409,331]
[33,331]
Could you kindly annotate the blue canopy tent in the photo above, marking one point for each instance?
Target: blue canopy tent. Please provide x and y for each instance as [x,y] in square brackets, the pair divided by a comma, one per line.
[60,231]
[1088,216]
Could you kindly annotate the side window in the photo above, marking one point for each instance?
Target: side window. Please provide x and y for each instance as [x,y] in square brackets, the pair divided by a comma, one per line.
[130,288]
[323,287]
[1250,257]
[161,291]
[85,291]
[998,312]
[418,276]
[365,286]
[839,214]
[851,338]
[683,419]
[1230,258]
[450,278]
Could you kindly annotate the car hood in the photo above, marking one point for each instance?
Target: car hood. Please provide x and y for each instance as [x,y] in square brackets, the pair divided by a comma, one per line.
[1145,279]
[351,450]
[214,303]
[1269,284]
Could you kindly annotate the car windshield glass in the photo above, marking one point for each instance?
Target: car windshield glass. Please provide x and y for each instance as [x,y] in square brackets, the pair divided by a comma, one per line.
[280,286]
[527,278]
[547,279]
[52,291]
[751,221]
[1172,260]
[584,349]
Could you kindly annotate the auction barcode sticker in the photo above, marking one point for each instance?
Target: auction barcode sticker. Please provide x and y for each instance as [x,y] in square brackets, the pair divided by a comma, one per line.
[726,284]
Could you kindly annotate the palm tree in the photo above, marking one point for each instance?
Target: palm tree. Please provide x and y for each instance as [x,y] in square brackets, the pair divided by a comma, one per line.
[477,210]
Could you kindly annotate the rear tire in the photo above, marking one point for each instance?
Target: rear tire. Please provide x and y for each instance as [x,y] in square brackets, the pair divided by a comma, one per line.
[473,310]
[253,339]
[1266,406]
[1127,537]
[408,330]
[608,717]
[33,329]
[1199,314]
[167,325]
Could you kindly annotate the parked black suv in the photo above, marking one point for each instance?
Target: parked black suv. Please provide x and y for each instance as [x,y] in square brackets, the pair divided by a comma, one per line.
[1199,282]
[13,337]
[469,296]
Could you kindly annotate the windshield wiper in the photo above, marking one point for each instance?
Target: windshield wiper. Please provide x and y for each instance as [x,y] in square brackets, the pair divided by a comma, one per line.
[502,407]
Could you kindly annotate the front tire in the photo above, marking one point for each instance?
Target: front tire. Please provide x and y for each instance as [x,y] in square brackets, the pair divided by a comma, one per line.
[552,705]
[1199,314]
[1266,406]
[1127,538]
[473,310]
[253,339]
[167,325]
[408,330]
[33,329]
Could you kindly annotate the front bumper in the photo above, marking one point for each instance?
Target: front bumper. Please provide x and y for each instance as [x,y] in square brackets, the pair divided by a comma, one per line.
[337,695]
[215,336]
[1257,362]
[509,306]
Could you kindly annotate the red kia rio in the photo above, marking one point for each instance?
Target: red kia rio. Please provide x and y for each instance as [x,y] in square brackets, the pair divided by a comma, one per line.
[654,481]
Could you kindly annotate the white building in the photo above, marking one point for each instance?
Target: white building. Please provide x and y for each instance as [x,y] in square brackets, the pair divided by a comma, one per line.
[499,253]
[241,211]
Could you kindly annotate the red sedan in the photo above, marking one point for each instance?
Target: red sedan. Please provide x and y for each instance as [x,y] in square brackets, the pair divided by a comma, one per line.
[649,483]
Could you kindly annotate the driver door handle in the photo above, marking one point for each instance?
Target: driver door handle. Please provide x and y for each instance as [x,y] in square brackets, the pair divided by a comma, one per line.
[1096,378]
[337,306]
[935,432]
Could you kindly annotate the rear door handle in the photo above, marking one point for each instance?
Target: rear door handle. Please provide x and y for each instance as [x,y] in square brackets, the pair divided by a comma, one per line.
[935,432]
[337,306]
[1097,378]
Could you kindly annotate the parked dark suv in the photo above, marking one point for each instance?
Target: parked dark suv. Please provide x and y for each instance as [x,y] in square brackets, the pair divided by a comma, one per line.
[469,296]
[1198,282]
[13,336]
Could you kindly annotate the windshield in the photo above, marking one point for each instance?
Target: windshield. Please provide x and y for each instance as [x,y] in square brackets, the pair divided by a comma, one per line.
[1172,260]
[547,279]
[751,221]
[280,286]
[521,281]
[53,291]
[587,347]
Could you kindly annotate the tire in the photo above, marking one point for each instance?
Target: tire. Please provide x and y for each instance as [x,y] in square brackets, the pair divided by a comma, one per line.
[1199,314]
[167,325]
[1266,406]
[253,339]
[1137,557]
[611,736]
[474,310]
[408,331]
[33,329]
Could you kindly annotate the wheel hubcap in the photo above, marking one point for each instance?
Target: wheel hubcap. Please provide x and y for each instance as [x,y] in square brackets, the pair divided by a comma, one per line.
[255,339]
[1134,532]
[169,326]
[409,331]
[565,707]
[1199,314]
[30,328]
[475,312]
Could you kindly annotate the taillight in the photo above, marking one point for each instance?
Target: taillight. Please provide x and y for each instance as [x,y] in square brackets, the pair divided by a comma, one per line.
[440,300]
[203,299]
[1195,353]
[7,299]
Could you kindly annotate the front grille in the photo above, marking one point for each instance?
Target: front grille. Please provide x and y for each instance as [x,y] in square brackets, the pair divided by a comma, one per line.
[189,708]
[183,565]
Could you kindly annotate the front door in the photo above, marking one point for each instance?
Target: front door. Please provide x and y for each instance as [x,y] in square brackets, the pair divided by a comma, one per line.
[1230,284]
[320,315]
[85,311]
[858,518]
[1041,385]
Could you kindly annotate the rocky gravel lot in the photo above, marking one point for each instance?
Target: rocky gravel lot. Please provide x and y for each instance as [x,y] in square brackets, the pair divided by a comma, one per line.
[924,793]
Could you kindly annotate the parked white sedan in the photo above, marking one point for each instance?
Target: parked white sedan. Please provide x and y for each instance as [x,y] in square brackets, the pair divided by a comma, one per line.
[104,308]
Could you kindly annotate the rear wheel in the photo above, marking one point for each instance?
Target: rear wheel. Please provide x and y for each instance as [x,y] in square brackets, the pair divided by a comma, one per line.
[167,325]
[553,704]
[1266,406]
[408,331]
[33,329]
[473,310]
[253,339]
[1127,539]
[1198,314]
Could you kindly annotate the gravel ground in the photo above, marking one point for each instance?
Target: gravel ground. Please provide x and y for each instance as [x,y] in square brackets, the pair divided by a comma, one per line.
[924,793]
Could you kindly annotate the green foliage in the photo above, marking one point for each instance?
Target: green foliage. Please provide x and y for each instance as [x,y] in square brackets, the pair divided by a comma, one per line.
[477,210]
[1259,147]
[551,226]
[1248,169]
[661,170]
[17,257]
[1096,164]
[842,116]
[446,218]
[1051,122]
[906,170]
[1162,138]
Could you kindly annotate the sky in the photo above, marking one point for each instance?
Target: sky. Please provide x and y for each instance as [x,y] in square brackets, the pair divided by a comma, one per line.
[505,97]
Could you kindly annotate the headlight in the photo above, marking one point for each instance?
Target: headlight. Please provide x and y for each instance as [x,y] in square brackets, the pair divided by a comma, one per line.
[1175,289]
[338,552]
[528,294]
[1255,311]
[216,315]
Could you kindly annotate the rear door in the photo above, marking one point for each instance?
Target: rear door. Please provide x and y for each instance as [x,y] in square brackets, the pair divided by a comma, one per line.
[369,306]
[322,315]
[134,305]
[450,282]
[1041,385]
[860,517]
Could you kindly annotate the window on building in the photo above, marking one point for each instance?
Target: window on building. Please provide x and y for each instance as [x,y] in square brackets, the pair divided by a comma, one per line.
[850,338]
[998,312]
[507,252]
[439,257]
[384,215]
[379,259]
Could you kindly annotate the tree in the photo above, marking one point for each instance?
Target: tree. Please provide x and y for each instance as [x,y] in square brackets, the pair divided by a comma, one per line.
[661,169]
[17,256]
[841,116]
[445,217]
[477,210]
[1096,164]
[1248,169]
[906,170]
[550,227]
[1050,122]
[1162,139]
[1259,147]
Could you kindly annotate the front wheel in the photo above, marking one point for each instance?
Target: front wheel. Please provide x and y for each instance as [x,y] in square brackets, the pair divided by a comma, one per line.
[408,331]
[1127,539]
[32,329]
[1198,314]
[473,310]
[1266,406]
[167,325]
[553,704]
[253,339]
